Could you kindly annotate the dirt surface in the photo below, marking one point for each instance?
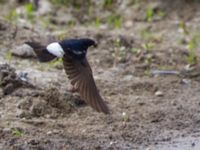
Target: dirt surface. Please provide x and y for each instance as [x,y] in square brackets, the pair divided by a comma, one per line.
[149,109]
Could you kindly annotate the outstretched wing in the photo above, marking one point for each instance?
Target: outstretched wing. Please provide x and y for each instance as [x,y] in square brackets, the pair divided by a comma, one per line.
[80,75]
[41,52]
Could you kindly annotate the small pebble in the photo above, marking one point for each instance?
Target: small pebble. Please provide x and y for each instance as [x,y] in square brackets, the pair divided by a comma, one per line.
[186,81]
[159,93]
[128,78]
[128,24]
[125,117]
[193,144]
[111,143]
[45,7]
[49,133]
[23,51]
[150,148]
[53,132]
[7,130]
[188,67]
[123,114]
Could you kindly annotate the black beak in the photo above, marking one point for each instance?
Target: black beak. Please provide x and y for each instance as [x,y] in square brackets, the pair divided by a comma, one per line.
[95,45]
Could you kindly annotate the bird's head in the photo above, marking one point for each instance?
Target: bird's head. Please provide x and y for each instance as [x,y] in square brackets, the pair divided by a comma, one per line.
[88,42]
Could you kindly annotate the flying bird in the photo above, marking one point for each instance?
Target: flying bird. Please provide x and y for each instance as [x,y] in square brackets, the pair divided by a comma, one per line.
[76,66]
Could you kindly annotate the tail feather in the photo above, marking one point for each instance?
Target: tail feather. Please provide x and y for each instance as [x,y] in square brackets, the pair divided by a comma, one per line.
[41,52]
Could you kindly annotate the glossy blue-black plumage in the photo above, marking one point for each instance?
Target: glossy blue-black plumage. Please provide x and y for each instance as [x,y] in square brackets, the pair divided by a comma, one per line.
[77,48]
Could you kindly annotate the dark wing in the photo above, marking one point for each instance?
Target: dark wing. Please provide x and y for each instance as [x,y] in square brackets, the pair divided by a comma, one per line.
[41,52]
[80,75]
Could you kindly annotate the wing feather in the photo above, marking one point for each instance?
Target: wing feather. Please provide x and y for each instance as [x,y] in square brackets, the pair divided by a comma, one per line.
[80,75]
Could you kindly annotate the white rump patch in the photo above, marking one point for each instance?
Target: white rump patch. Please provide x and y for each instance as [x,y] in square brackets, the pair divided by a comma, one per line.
[55,49]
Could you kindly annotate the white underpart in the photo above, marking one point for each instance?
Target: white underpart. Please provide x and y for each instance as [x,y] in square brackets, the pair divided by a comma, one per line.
[55,49]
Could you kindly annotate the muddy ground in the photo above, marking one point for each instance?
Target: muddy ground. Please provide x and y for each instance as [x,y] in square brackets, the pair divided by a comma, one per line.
[149,110]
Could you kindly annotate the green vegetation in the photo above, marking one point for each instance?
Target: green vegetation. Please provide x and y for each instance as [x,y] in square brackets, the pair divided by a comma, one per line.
[183,27]
[2,1]
[148,46]
[115,21]
[30,8]
[45,22]
[192,57]
[150,36]
[108,3]
[119,52]
[97,22]
[57,63]
[149,14]
[17,132]
[192,43]
[136,50]
[146,33]
[192,46]
[41,66]
[75,3]
[13,16]
[147,72]
[161,13]
[134,2]
[9,56]
[61,2]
